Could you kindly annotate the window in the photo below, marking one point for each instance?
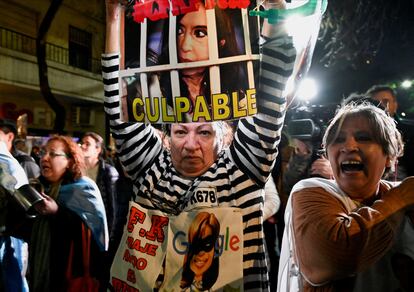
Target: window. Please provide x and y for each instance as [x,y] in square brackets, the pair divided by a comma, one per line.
[80,48]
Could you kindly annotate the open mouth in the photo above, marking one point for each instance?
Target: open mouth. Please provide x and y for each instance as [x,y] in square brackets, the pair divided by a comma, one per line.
[351,166]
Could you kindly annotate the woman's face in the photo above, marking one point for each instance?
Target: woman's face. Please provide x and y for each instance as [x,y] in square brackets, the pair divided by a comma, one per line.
[203,254]
[54,161]
[194,148]
[192,39]
[357,161]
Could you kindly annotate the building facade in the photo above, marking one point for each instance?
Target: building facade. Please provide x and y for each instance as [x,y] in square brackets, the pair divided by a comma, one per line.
[74,44]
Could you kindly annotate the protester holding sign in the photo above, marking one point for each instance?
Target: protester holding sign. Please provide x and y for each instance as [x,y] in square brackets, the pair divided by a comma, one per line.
[197,175]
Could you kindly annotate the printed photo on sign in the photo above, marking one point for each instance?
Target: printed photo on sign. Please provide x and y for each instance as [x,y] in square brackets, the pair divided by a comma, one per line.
[141,252]
[205,251]
[191,63]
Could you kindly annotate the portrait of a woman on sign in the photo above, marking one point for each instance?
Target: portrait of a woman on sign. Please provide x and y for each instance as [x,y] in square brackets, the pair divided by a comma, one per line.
[199,73]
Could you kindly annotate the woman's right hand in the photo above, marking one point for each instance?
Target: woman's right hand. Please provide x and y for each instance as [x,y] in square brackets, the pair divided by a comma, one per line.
[47,207]
[113,8]
[113,15]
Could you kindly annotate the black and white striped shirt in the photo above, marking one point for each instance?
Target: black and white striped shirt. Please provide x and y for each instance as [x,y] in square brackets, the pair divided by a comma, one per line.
[239,171]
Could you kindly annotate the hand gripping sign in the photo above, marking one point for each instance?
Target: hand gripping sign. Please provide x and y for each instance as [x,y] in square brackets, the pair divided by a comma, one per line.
[194,61]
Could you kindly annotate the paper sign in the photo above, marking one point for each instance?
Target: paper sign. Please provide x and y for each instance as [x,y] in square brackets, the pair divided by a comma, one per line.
[205,251]
[201,249]
[138,260]
[188,61]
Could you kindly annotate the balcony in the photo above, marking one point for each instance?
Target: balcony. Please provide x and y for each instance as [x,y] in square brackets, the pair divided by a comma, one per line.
[22,43]
[19,68]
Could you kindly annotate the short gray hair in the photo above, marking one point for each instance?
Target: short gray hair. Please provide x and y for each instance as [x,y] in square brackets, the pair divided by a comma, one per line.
[383,126]
[221,128]
[224,132]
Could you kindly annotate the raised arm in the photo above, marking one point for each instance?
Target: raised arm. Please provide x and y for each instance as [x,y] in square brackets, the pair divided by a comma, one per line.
[113,14]
[137,144]
[255,143]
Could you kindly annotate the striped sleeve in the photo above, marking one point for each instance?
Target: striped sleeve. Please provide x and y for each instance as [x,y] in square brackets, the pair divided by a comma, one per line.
[137,144]
[254,149]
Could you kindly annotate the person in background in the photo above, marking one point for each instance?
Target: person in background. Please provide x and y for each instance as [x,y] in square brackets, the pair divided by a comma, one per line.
[13,250]
[270,208]
[124,189]
[109,155]
[20,144]
[8,133]
[101,172]
[106,176]
[285,151]
[301,166]
[343,234]
[34,153]
[303,152]
[70,201]
[296,162]
[386,96]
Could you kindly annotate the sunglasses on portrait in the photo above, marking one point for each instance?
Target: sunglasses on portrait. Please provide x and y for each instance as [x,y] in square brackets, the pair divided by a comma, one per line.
[204,244]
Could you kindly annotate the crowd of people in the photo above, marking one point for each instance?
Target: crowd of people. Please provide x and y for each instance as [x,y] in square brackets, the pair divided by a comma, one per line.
[211,204]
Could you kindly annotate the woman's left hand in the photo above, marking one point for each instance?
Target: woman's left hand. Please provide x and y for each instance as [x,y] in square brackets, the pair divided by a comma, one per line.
[47,207]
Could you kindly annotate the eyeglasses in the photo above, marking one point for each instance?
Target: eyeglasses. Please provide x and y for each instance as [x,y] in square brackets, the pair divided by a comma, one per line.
[52,154]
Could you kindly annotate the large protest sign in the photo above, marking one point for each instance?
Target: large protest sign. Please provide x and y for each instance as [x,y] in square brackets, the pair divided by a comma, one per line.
[200,249]
[189,61]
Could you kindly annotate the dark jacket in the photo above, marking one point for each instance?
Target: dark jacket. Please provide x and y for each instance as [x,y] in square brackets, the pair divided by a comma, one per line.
[106,181]
[27,162]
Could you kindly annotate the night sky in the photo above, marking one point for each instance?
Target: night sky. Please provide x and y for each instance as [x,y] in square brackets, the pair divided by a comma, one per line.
[372,43]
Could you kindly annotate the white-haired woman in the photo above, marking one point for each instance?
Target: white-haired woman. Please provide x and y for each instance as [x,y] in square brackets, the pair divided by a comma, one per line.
[347,234]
